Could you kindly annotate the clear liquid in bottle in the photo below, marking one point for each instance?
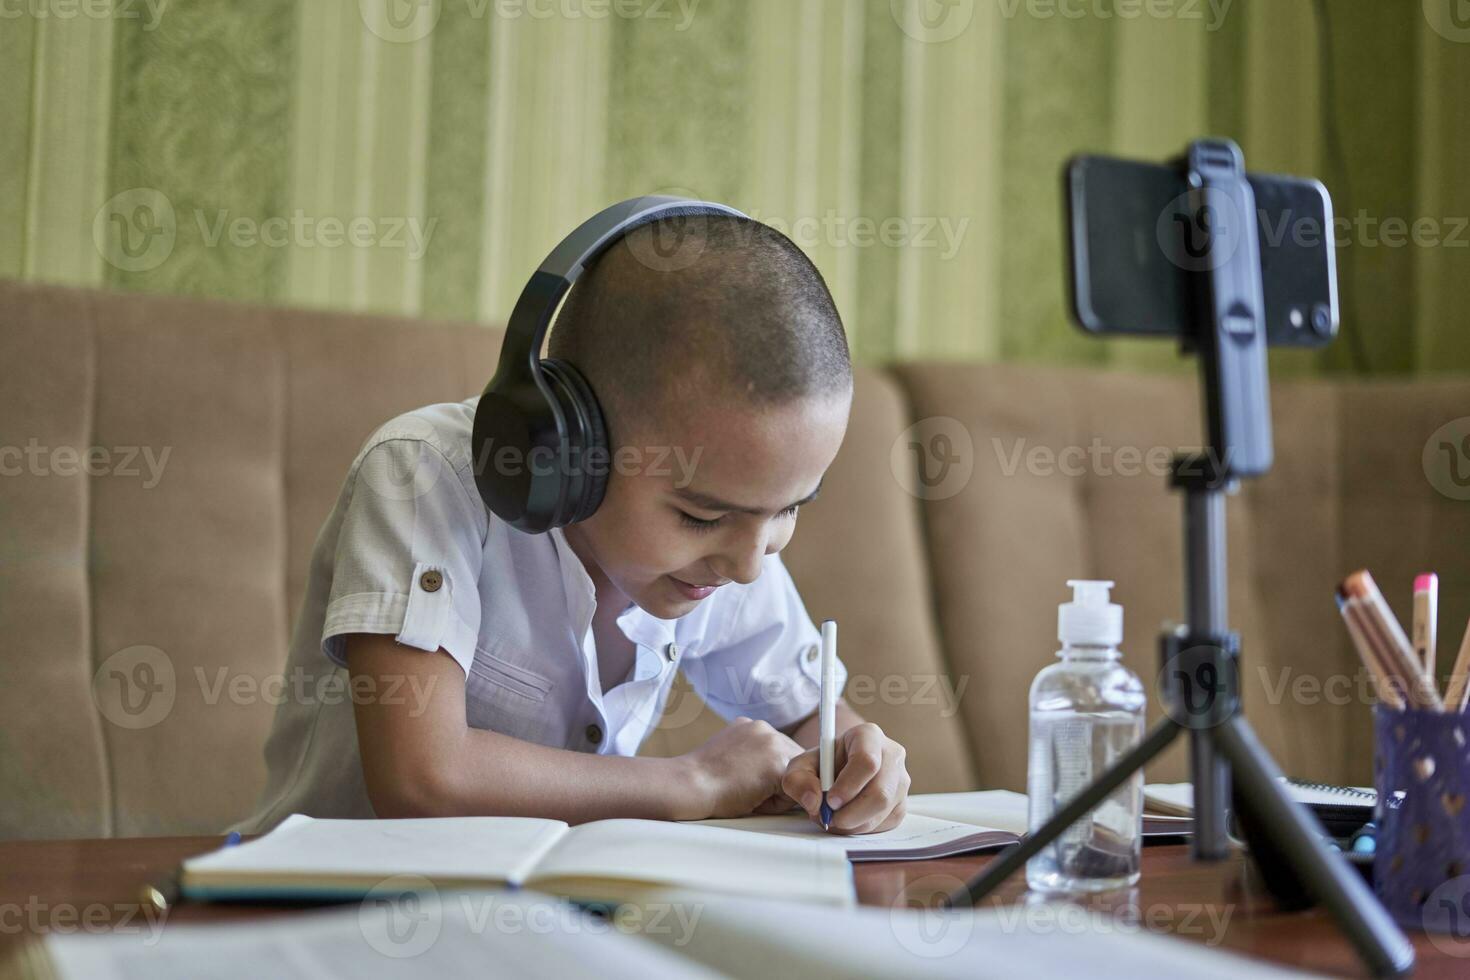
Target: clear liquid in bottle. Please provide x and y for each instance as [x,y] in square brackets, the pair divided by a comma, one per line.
[1087,711]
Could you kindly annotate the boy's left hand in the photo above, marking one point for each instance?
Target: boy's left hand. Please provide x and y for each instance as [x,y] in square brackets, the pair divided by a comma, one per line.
[870,786]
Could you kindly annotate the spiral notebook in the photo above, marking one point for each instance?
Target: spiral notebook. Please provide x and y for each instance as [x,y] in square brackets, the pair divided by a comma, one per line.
[1340,808]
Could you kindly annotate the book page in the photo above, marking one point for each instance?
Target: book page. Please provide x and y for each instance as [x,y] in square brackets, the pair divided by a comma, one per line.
[760,939]
[488,849]
[712,858]
[463,934]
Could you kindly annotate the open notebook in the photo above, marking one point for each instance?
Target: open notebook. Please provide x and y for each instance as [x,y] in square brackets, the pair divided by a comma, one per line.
[609,860]
[936,825]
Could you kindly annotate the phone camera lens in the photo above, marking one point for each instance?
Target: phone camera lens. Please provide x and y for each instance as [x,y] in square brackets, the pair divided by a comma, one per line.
[1322,320]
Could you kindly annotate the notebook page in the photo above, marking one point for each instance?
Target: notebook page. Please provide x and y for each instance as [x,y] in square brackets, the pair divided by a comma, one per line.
[998,808]
[1174,798]
[1005,810]
[713,858]
[915,832]
[482,848]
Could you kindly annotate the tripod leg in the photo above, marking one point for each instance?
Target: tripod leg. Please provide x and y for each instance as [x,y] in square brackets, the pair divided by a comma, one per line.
[1329,879]
[1012,858]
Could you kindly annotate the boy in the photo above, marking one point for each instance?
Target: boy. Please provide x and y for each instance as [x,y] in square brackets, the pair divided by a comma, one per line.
[498,672]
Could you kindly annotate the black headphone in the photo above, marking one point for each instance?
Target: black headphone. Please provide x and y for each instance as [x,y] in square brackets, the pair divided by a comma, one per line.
[541,454]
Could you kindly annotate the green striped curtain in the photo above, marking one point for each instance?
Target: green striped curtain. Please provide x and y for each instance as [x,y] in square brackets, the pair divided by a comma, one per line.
[420,156]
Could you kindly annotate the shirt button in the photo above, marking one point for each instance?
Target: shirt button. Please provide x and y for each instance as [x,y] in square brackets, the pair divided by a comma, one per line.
[811,653]
[594,734]
[430,581]
[671,651]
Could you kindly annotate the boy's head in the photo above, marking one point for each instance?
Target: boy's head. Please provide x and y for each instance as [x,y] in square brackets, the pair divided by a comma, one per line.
[724,377]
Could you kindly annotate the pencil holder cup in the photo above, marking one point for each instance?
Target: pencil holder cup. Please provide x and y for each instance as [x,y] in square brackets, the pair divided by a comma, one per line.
[1421,864]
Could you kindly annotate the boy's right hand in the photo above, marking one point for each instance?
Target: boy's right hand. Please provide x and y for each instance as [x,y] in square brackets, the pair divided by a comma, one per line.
[739,770]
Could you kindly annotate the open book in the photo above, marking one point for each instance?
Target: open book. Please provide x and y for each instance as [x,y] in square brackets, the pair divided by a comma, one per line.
[499,933]
[936,825]
[608,860]
[687,934]
[755,940]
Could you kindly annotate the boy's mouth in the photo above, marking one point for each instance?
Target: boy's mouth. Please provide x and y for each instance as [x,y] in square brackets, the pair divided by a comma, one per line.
[690,591]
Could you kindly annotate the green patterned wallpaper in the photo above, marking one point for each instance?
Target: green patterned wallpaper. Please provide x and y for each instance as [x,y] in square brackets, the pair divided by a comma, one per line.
[420,156]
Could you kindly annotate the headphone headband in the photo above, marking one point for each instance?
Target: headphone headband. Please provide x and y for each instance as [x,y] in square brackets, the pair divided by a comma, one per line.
[531,317]
[534,405]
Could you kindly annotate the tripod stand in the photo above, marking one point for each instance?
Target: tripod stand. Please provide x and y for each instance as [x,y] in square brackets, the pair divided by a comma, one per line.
[1200,676]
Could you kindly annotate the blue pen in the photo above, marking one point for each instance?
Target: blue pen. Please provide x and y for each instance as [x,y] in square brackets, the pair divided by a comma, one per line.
[827,720]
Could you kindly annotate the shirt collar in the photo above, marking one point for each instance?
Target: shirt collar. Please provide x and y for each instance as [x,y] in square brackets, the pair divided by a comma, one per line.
[580,592]
[646,630]
[637,625]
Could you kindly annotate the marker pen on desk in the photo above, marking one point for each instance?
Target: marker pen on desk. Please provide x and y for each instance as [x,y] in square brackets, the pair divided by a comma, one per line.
[163,893]
[827,738]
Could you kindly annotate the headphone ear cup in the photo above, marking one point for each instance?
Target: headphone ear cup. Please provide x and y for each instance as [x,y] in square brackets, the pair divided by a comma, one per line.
[509,424]
[588,455]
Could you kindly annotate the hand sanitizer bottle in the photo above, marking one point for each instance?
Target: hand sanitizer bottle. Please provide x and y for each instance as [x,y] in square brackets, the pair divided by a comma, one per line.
[1087,711]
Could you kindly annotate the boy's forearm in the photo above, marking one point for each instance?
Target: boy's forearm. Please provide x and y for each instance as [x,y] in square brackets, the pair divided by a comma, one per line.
[499,775]
[806,732]
[422,760]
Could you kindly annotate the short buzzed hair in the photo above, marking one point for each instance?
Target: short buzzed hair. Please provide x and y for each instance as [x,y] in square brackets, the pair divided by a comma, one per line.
[699,307]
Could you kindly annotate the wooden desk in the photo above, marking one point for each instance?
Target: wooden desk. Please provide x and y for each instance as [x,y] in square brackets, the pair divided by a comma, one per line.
[71,885]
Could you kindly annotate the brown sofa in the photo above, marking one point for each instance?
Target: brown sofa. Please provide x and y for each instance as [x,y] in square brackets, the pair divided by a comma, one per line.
[145,605]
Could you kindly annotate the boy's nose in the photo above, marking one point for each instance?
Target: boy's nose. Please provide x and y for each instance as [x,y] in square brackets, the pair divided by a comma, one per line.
[742,563]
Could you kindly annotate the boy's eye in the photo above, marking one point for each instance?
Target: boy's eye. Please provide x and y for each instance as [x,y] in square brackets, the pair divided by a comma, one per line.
[707,524]
[698,523]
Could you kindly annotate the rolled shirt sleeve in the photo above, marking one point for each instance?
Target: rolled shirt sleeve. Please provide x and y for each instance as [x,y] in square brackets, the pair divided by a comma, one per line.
[766,663]
[409,553]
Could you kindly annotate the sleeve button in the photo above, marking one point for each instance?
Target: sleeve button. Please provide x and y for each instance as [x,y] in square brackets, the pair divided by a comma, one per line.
[811,653]
[430,581]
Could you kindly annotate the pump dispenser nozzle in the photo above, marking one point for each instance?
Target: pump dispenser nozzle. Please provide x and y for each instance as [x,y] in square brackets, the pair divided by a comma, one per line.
[1090,618]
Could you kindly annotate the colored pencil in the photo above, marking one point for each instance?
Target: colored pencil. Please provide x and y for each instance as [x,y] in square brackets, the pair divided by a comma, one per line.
[1389,639]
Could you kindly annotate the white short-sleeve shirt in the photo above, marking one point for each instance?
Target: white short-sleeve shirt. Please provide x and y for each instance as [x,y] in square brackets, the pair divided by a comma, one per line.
[411,550]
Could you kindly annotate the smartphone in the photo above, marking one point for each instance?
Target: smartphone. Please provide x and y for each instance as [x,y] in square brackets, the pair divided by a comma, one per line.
[1136,248]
